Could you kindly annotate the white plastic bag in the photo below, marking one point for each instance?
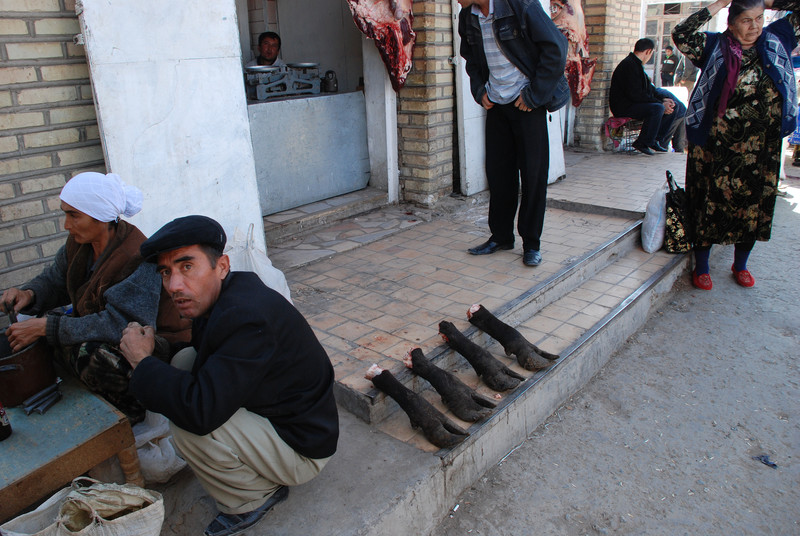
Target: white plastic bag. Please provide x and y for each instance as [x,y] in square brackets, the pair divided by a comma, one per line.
[246,258]
[158,460]
[655,219]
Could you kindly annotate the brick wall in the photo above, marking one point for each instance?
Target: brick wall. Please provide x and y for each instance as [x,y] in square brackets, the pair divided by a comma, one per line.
[48,129]
[613,28]
[426,108]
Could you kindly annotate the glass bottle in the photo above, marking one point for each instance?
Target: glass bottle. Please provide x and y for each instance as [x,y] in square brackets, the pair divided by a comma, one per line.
[5,425]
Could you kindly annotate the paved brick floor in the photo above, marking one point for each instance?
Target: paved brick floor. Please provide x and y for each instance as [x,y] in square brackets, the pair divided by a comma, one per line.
[377,285]
[375,303]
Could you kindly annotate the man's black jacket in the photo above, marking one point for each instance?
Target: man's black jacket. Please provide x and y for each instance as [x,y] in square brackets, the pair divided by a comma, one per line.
[630,85]
[254,351]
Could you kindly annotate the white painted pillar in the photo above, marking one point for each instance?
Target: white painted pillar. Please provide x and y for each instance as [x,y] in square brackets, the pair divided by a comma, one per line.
[381,102]
[169,93]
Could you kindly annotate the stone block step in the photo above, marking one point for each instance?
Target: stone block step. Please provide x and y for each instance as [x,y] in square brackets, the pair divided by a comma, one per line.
[382,485]
[562,326]
[300,221]
[374,406]
[418,506]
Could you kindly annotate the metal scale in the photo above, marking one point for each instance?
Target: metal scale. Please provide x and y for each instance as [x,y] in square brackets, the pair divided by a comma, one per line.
[265,81]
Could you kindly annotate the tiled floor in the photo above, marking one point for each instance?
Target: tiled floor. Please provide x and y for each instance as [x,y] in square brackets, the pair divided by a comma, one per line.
[338,237]
[375,303]
[377,285]
[616,181]
[553,328]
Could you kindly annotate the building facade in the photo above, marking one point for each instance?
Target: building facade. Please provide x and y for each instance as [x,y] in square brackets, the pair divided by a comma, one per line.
[49,127]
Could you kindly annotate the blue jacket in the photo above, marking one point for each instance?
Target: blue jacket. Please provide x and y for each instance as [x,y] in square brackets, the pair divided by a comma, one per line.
[528,37]
[776,63]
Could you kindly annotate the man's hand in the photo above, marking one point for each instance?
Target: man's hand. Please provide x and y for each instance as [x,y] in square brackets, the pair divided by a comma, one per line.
[669,106]
[16,299]
[487,104]
[137,342]
[519,103]
[21,334]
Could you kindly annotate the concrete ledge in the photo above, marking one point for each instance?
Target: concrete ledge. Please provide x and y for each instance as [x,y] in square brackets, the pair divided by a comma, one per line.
[421,506]
[370,199]
[587,208]
[374,406]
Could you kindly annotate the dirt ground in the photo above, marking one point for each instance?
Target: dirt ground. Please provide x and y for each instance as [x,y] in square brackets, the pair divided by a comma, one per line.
[662,441]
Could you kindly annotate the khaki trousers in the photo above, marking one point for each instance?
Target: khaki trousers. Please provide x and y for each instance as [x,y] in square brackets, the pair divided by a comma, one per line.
[243,462]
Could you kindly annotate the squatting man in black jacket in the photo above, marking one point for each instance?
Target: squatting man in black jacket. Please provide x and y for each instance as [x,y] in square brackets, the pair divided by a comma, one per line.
[250,402]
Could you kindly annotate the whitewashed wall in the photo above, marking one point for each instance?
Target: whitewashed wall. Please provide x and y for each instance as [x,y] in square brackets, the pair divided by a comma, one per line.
[170,102]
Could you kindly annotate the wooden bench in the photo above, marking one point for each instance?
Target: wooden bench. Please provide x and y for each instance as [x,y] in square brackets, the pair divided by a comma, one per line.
[45,452]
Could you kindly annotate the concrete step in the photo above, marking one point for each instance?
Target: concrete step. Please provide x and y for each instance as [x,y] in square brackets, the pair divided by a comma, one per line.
[417,508]
[379,485]
[374,406]
[301,221]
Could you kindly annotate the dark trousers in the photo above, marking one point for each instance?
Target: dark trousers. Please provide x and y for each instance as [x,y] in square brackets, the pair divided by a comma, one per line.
[517,153]
[650,114]
[656,126]
[669,128]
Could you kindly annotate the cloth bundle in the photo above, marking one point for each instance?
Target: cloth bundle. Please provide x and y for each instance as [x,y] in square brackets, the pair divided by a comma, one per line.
[92,508]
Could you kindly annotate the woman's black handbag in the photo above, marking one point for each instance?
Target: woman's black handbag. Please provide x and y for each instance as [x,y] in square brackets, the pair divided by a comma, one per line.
[676,236]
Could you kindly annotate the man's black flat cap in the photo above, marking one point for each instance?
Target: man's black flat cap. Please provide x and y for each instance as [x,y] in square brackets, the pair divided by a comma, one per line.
[182,232]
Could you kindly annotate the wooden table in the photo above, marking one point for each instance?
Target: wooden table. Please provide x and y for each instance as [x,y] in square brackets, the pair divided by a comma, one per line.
[45,452]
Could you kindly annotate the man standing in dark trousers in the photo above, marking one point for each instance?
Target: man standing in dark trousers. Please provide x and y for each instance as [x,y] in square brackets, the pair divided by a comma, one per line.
[632,94]
[515,58]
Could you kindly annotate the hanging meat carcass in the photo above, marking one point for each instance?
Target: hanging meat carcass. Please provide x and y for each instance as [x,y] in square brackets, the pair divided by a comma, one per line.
[388,23]
[568,17]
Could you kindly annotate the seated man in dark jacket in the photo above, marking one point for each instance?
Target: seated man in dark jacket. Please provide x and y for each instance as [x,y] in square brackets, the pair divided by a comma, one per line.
[633,95]
[251,403]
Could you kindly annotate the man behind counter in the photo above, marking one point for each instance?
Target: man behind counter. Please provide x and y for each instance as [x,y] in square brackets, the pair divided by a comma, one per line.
[269,46]
[250,404]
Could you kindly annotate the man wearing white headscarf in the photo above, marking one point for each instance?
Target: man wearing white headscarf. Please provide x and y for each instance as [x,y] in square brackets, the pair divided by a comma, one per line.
[100,273]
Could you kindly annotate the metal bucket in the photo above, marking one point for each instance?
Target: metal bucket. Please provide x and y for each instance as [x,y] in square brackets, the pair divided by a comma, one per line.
[24,373]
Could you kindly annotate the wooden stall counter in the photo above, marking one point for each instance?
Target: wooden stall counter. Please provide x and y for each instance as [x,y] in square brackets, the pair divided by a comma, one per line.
[45,452]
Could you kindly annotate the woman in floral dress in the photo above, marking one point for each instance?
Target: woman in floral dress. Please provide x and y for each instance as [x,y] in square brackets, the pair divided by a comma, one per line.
[742,106]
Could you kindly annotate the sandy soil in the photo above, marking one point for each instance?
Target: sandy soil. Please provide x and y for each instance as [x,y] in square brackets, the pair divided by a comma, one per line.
[663,440]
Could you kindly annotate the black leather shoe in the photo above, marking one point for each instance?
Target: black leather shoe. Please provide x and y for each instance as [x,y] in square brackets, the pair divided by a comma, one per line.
[230,524]
[657,147]
[489,247]
[643,149]
[531,257]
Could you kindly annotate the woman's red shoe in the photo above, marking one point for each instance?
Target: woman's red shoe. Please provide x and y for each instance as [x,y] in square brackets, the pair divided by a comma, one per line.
[702,281]
[743,277]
